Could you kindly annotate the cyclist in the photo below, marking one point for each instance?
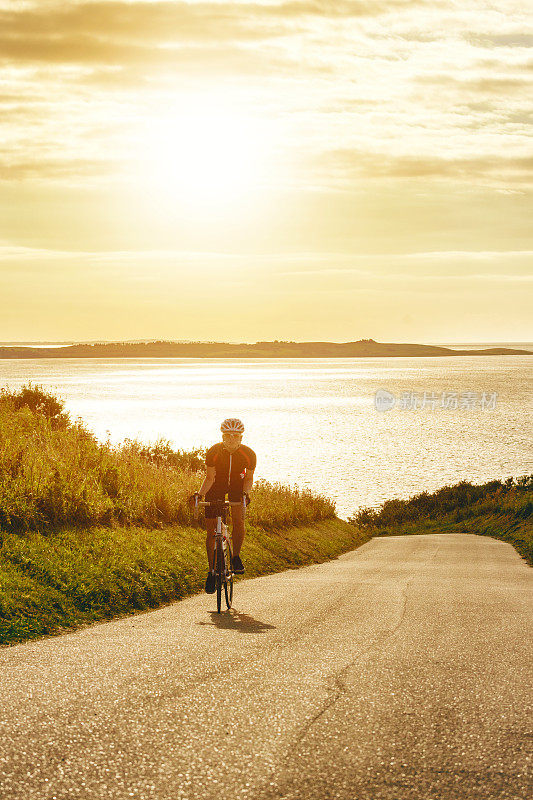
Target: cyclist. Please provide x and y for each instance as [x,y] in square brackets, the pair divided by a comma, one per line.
[230,469]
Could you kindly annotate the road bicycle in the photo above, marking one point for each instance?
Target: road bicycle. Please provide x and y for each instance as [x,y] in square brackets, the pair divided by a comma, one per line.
[223,562]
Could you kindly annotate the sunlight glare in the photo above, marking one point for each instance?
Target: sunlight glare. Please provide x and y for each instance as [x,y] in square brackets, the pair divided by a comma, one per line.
[204,158]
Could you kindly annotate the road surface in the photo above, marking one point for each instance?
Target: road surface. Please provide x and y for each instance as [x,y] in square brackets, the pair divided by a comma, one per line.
[400,670]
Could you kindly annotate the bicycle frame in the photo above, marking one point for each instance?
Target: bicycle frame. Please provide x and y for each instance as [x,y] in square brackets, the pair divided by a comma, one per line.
[223,550]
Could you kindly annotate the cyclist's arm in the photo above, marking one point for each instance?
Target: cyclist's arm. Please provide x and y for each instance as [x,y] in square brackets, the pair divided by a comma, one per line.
[248,481]
[208,480]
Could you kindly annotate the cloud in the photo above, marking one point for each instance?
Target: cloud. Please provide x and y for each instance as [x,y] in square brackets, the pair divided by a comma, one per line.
[44,168]
[482,83]
[439,267]
[123,41]
[349,164]
[207,36]
[116,32]
[324,260]
[13,109]
[514,39]
[85,50]
[416,277]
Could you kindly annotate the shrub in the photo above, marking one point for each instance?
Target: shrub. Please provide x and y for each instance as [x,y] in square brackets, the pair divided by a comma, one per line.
[161,453]
[39,402]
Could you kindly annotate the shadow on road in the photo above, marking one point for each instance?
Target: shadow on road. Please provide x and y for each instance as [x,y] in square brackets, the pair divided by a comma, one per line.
[237,621]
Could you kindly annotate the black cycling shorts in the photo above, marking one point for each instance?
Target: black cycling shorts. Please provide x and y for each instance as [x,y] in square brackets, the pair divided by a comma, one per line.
[211,512]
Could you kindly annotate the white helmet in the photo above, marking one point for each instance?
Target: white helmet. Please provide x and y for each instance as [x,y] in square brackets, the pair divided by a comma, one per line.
[232,425]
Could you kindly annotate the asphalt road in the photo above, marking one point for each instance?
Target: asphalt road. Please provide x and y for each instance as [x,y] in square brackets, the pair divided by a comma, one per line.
[400,670]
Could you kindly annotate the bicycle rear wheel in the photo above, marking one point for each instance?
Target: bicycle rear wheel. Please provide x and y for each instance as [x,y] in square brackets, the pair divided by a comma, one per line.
[219,574]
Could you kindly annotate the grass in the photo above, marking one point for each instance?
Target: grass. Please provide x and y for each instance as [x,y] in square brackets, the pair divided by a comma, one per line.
[501,509]
[49,584]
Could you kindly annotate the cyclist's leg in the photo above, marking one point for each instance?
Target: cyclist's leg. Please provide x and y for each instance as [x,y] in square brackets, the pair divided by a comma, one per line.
[212,496]
[210,525]
[237,528]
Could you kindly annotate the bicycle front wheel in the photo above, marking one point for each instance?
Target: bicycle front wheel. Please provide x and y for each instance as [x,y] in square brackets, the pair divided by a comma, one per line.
[219,575]
[228,591]
[228,584]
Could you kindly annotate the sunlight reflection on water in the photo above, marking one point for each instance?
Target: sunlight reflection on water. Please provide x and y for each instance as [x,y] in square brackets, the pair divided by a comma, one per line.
[312,422]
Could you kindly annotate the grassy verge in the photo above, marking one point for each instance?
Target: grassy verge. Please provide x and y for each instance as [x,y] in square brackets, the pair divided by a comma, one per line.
[503,510]
[49,584]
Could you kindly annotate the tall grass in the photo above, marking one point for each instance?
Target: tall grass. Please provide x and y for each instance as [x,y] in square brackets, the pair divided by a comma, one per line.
[54,472]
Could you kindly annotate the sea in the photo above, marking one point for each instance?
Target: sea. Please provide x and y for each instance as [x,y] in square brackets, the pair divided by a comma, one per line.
[357,430]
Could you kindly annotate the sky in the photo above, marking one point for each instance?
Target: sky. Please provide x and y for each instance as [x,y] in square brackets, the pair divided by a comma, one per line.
[244,171]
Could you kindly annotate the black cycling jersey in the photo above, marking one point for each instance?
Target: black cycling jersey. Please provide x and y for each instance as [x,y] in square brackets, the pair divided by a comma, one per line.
[230,470]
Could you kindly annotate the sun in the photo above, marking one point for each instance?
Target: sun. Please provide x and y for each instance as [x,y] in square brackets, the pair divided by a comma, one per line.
[205,157]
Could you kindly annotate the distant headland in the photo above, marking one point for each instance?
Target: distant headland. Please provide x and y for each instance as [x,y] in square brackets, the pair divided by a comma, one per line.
[364,348]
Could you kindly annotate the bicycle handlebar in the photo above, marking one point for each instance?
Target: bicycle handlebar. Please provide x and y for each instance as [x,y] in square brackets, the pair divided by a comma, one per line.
[224,503]
[219,502]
